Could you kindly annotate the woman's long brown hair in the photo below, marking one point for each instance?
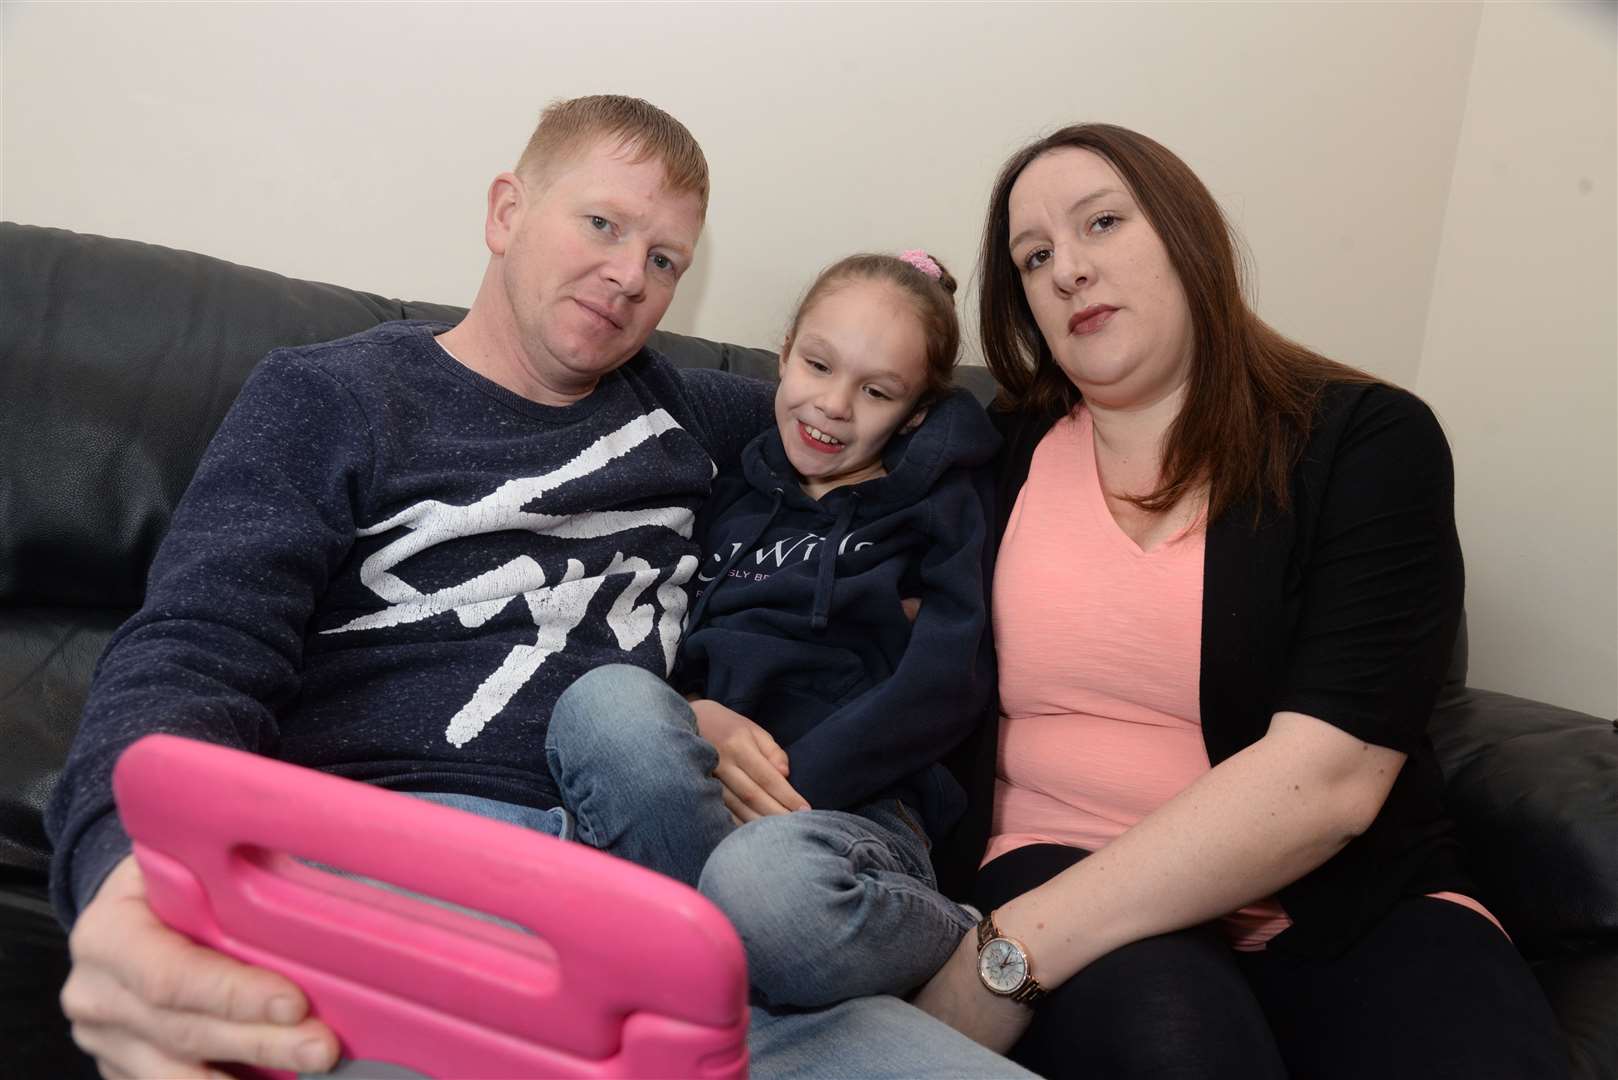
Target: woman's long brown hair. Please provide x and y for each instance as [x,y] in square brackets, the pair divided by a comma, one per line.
[1252,392]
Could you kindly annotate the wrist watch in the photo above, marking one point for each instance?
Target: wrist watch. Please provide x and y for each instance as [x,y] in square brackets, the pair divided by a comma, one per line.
[1004,967]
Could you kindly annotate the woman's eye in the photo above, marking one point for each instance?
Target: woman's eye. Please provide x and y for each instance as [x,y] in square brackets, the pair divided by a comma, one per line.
[1104,223]
[1036,258]
[599,223]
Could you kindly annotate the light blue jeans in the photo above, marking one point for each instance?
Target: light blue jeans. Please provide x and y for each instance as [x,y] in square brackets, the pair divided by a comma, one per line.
[829,904]
[878,1036]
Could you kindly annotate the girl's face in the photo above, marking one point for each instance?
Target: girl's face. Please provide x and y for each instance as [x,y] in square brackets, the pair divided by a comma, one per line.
[1099,281]
[850,378]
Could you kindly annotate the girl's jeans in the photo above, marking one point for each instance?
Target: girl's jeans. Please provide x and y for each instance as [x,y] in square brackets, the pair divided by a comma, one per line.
[830,904]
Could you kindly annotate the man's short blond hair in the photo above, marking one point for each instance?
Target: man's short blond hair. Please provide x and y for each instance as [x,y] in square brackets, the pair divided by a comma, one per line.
[568,128]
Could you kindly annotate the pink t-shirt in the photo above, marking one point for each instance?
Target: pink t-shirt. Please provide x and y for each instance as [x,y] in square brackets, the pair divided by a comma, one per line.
[1100,652]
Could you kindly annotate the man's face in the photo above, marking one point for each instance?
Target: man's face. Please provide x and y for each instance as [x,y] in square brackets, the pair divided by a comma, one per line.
[589,257]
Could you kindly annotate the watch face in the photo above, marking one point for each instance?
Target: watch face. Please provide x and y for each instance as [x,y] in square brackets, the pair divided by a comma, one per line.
[1002,966]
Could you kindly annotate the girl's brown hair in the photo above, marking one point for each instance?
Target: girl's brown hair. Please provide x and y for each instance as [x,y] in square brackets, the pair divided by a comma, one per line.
[932,298]
[1252,392]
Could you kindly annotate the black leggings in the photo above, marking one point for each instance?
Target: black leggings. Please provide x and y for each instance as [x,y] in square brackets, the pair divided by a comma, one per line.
[1432,991]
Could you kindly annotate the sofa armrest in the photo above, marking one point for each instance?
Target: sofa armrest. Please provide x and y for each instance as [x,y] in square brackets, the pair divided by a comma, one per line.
[1533,789]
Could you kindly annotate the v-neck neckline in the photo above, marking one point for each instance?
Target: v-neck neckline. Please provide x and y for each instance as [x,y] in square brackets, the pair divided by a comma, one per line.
[1095,495]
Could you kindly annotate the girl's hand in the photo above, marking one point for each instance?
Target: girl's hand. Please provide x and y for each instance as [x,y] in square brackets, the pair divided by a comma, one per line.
[752,766]
[958,997]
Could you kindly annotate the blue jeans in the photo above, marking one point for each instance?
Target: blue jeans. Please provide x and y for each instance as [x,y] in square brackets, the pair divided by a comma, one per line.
[555,822]
[878,1037]
[829,904]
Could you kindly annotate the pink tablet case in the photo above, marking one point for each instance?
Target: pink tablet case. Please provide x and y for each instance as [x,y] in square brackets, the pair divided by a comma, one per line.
[626,973]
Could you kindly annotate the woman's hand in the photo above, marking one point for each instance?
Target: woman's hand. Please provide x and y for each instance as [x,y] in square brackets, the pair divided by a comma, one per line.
[752,766]
[958,997]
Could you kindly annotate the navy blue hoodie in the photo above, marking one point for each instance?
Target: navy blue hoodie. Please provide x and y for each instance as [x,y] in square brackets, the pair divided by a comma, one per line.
[800,627]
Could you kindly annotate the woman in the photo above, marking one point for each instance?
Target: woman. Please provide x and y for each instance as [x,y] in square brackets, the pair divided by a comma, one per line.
[1226,596]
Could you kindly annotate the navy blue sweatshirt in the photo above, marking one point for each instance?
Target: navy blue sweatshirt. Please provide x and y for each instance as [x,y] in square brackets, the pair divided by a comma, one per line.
[387,567]
[800,628]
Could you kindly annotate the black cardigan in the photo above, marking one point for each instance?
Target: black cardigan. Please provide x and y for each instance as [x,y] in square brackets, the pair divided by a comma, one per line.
[1345,608]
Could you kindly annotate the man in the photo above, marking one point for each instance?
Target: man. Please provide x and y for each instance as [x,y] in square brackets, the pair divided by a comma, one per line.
[396,553]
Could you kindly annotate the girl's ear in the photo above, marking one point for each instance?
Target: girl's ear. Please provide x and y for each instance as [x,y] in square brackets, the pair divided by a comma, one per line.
[914,422]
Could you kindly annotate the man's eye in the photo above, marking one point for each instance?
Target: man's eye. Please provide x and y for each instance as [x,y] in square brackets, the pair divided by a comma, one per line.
[599,223]
[662,262]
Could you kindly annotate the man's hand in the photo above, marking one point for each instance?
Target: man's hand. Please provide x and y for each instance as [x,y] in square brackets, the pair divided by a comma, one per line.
[146,1002]
[752,766]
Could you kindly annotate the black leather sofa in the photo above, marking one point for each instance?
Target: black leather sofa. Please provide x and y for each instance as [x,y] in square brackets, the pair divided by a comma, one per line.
[118,359]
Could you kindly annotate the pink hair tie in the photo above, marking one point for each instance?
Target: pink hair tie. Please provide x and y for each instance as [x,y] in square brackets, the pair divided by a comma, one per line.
[923,262]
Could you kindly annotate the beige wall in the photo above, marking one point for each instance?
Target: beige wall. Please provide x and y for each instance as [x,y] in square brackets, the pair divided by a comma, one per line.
[353,142]
[1521,359]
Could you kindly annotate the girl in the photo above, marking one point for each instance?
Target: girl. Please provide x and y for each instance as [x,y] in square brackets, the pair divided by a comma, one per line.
[838,649]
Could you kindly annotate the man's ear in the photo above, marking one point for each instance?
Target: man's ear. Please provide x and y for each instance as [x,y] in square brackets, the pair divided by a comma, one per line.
[914,422]
[506,197]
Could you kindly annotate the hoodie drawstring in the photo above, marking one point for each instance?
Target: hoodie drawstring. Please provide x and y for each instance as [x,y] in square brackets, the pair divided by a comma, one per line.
[827,571]
[695,618]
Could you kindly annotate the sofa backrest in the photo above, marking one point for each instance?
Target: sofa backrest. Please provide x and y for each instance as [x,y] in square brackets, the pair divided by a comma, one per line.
[118,360]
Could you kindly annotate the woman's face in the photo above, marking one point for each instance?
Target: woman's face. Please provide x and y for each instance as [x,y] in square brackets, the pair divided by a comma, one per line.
[1099,281]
